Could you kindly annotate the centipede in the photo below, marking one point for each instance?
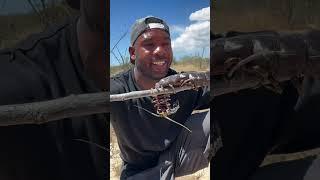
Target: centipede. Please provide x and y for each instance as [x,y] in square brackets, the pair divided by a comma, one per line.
[194,79]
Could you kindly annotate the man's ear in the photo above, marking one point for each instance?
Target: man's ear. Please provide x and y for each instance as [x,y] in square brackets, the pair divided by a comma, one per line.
[132,55]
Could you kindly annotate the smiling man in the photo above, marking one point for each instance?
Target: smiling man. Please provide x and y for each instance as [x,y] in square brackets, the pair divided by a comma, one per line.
[152,56]
[150,51]
[153,147]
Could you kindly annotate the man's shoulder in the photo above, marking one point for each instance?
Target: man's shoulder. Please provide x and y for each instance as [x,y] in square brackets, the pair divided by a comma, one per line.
[119,82]
[171,72]
[122,82]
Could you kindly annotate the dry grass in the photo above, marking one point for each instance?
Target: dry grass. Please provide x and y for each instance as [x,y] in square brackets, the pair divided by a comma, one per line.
[115,160]
[189,67]
[189,64]
[203,174]
[264,15]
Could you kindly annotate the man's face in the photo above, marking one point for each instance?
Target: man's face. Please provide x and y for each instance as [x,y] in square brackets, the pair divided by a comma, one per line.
[152,53]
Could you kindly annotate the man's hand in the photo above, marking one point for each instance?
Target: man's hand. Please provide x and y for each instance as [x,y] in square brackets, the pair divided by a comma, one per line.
[194,79]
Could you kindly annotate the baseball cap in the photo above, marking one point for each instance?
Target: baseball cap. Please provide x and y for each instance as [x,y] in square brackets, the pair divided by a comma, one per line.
[149,22]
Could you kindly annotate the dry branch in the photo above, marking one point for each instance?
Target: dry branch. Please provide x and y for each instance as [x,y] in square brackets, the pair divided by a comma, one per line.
[46,111]
[145,93]
[70,106]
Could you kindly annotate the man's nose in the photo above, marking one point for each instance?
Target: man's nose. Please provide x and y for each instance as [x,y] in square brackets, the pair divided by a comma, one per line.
[159,51]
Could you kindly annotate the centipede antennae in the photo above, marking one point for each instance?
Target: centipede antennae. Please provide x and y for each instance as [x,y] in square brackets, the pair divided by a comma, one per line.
[163,116]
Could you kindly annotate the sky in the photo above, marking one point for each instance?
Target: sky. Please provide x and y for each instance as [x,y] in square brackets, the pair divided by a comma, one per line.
[14,7]
[18,6]
[188,20]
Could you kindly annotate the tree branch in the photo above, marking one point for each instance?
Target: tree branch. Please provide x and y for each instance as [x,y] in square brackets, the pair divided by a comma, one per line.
[46,111]
[145,93]
[70,106]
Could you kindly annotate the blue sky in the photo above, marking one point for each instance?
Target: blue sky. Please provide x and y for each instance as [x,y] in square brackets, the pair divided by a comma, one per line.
[189,33]
[18,6]
[14,7]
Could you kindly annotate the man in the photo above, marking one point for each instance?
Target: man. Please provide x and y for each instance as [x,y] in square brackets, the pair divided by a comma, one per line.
[64,60]
[153,147]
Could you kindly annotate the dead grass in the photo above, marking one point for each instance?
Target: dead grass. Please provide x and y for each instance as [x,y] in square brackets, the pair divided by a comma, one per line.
[264,15]
[190,67]
[191,64]
[203,174]
[115,160]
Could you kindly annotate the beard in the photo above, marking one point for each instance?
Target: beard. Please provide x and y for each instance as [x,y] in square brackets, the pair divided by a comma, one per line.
[147,73]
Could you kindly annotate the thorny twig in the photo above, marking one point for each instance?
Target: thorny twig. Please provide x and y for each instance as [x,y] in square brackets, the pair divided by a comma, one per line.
[115,56]
[124,34]
[166,117]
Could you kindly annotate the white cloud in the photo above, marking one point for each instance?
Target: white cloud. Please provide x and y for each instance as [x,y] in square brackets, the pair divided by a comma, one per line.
[176,29]
[196,36]
[201,15]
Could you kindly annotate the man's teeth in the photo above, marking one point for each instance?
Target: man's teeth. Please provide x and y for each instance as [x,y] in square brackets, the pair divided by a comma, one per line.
[159,63]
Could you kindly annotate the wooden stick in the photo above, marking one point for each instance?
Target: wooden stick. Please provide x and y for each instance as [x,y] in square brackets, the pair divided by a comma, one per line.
[146,93]
[70,106]
[46,111]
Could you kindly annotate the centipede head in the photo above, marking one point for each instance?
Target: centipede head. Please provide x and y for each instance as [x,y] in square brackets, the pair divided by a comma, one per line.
[163,106]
